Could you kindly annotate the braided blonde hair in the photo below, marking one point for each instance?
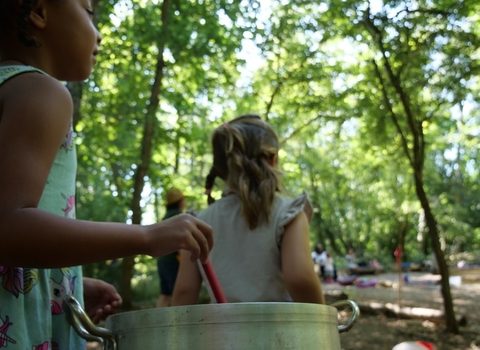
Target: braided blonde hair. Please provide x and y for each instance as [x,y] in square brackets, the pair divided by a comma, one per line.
[244,152]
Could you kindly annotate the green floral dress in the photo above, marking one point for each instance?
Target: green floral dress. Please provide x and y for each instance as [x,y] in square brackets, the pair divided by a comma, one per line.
[32,314]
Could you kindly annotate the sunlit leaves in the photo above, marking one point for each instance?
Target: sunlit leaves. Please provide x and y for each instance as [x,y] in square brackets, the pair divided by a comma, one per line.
[316,75]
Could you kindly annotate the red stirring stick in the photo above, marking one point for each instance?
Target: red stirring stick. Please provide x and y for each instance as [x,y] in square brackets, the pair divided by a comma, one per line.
[212,280]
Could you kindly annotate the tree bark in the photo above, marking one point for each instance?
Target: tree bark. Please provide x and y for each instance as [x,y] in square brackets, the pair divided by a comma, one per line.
[413,131]
[146,153]
[450,319]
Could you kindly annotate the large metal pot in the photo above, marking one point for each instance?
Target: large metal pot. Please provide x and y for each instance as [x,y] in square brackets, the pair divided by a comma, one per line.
[219,326]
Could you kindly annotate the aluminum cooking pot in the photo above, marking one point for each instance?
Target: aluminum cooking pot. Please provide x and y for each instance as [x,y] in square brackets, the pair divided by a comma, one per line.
[235,326]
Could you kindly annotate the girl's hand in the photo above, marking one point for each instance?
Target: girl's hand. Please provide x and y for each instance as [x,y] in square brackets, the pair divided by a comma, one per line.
[180,232]
[101,299]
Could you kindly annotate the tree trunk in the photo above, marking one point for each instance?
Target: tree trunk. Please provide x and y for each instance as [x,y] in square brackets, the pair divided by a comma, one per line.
[425,243]
[451,322]
[416,156]
[146,153]
[333,244]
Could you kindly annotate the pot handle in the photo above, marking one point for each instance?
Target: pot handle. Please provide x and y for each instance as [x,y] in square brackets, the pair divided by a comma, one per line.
[85,328]
[353,318]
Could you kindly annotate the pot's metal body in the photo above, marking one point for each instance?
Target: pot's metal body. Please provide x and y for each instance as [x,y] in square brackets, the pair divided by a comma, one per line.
[224,327]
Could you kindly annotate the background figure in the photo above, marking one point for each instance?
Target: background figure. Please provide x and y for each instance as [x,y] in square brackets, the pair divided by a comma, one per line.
[329,270]
[316,252]
[319,257]
[262,245]
[351,259]
[167,265]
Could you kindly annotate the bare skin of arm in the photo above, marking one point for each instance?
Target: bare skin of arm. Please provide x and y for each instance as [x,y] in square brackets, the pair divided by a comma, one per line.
[35,116]
[297,267]
[188,282]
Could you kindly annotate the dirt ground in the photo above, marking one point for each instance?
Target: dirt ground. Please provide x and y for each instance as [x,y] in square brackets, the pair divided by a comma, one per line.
[383,333]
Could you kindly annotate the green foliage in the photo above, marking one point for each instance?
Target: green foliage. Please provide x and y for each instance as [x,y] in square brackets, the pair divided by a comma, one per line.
[322,76]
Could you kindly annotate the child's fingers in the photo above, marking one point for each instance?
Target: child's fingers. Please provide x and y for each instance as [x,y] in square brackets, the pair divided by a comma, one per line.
[183,232]
[194,249]
[204,236]
[199,240]
[98,316]
[107,309]
[204,249]
[198,246]
[207,232]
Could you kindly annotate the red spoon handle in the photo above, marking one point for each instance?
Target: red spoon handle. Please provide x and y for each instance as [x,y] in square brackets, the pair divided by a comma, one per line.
[213,281]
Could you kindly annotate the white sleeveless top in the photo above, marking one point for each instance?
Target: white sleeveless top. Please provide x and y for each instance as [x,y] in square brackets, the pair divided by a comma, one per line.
[248,262]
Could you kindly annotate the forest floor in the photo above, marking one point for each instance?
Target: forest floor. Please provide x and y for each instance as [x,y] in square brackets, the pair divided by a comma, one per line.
[379,332]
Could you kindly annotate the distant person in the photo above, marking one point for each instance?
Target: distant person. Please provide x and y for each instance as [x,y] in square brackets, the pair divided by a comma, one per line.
[351,259]
[262,251]
[319,258]
[316,252]
[167,265]
[329,269]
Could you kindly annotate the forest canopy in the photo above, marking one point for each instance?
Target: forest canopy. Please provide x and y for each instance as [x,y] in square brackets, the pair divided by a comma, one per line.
[374,102]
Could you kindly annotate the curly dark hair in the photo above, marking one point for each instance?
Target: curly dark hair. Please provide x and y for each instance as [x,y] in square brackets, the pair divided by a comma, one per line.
[14,15]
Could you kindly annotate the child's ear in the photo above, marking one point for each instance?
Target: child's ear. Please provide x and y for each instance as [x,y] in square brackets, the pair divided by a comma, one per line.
[273,161]
[38,15]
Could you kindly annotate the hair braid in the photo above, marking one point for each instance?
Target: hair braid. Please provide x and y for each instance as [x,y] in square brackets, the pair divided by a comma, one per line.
[23,26]
[209,182]
[14,19]
[7,8]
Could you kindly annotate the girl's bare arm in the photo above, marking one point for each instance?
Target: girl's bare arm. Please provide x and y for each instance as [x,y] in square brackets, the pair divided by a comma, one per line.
[35,116]
[297,267]
[188,283]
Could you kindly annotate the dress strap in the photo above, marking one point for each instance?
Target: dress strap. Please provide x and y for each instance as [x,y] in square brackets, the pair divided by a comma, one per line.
[8,72]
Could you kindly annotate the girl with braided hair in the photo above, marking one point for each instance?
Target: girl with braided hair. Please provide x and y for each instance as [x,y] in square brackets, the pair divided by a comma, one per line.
[262,250]
[43,42]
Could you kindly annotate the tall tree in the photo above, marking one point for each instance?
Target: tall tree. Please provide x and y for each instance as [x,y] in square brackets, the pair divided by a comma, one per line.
[164,60]
[322,80]
[405,66]
[422,31]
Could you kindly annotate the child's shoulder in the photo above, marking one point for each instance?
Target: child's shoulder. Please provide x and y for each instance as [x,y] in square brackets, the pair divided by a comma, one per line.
[286,208]
[35,92]
[35,107]
[34,83]
[287,200]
